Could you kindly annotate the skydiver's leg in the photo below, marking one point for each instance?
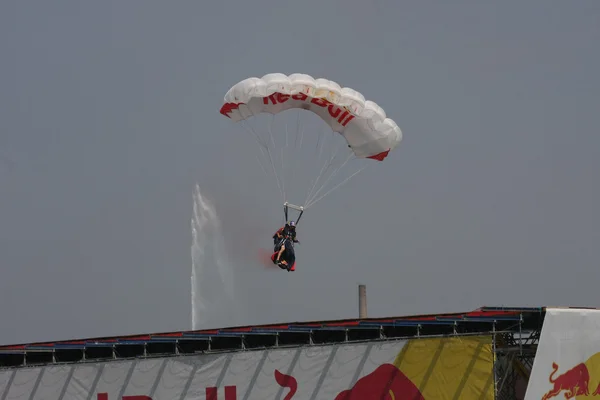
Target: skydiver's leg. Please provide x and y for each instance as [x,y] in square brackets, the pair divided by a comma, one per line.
[277,242]
[280,252]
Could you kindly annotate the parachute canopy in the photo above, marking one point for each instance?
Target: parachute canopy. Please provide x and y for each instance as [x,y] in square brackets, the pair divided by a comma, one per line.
[358,130]
[363,124]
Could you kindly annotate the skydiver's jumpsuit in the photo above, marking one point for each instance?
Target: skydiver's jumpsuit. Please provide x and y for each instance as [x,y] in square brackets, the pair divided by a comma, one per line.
[284,231]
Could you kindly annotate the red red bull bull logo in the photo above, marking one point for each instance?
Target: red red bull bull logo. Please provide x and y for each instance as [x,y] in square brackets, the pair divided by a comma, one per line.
[387,382]
[407,371]
[287,381]
[572,383]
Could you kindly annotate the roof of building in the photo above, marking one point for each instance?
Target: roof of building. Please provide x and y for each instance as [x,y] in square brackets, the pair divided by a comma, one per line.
[482,320]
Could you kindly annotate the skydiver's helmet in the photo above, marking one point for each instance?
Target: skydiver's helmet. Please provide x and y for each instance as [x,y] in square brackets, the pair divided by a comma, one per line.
[292,226]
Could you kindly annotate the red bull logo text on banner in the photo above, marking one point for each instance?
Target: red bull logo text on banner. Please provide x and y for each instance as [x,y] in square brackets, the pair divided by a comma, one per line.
[418,369]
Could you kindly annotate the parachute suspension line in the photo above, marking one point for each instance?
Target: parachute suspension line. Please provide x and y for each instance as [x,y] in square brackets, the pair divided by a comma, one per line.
[321,146]
[322,133]
[320,142]
[285,163]
[297,129]
[301,137]
[335,187]
[261,166]
[288,150]
[271,159]
[265,146]
[285,150]
[296,135]
[286,136]
[248,128]
[327,172]
[270,130]
[326,166]
[331,176]
[282,171]
[261,145]
[316,180]
[318,146]
[282,175]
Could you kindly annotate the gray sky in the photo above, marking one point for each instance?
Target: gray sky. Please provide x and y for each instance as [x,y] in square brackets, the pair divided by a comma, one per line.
[109,117]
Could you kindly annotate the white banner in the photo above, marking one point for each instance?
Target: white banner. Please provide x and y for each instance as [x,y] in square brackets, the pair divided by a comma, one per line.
[440,368]
[567,362]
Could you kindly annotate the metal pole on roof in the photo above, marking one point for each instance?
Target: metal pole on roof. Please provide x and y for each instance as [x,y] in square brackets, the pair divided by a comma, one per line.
[495,366]
[362,301]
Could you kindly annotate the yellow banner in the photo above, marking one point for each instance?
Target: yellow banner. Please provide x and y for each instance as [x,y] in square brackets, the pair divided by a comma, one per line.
[449,368]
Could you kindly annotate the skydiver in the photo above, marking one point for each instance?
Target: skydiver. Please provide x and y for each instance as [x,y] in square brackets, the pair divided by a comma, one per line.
[289,229]
[285,232]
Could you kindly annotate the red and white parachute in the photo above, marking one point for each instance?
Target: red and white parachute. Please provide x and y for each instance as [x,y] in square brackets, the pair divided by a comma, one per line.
[360,125]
